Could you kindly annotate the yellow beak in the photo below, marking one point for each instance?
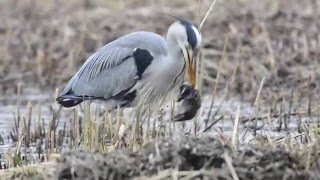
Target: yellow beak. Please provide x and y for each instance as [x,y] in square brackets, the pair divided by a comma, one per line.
[188,57]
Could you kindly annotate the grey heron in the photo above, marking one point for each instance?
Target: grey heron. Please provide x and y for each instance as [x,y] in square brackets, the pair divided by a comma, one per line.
[136,69]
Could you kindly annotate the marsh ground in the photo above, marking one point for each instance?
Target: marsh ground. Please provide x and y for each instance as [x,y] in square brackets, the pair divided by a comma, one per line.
[266,78]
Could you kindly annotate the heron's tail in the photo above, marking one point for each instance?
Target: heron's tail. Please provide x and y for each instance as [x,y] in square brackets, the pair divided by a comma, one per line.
[69,101]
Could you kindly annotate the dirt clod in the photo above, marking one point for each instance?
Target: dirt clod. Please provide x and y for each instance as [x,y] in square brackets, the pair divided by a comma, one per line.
[188,153]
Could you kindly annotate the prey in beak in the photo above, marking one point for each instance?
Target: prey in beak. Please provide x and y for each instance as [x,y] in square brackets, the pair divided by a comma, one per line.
[189,102]
[190,63]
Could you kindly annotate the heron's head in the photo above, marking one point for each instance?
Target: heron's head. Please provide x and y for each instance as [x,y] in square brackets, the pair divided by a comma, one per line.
[189,40]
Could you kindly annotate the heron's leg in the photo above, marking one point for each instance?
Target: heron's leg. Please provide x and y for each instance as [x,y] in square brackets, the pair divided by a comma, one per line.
[118,123]
[147,128]
[135,126]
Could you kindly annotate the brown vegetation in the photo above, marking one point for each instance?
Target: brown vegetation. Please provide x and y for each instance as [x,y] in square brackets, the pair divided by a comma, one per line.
[265,54]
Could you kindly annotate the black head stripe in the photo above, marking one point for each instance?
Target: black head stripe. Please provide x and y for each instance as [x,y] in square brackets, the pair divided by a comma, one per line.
[192,37]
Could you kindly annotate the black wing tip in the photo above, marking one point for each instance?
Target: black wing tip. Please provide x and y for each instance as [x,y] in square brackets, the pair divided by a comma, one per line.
[68,102]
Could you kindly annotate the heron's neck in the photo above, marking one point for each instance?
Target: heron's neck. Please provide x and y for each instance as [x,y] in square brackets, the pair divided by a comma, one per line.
[174,50]
[176,62]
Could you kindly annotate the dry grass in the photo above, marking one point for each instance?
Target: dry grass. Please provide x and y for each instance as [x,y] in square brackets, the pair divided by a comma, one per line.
[269,60]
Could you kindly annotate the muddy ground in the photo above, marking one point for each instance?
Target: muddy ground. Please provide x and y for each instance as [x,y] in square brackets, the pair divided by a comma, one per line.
[43,43]
[188,157]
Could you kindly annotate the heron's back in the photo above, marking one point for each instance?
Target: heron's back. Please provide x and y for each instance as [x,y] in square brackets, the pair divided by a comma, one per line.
[111,71]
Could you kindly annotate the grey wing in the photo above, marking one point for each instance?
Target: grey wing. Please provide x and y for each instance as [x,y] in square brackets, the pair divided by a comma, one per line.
[112,70]
[103,76]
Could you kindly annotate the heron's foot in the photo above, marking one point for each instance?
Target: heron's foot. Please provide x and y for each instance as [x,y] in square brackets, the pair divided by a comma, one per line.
[189,103]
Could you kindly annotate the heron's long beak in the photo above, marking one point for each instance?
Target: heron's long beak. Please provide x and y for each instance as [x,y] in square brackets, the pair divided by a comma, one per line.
[188,57]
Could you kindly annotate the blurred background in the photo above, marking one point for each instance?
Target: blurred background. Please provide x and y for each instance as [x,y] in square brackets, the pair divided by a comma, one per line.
[44,42]
[247,44]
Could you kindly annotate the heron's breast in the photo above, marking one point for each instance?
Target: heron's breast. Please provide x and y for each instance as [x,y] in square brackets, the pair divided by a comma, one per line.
[163,71]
